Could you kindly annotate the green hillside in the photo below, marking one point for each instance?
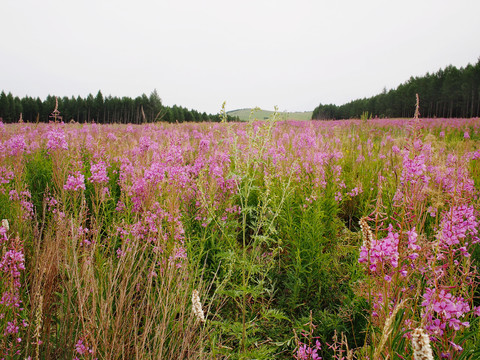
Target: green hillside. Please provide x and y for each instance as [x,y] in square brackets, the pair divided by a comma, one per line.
[246,114]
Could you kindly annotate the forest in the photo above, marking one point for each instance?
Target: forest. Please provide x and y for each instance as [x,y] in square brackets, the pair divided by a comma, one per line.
[448,93]
[100,109]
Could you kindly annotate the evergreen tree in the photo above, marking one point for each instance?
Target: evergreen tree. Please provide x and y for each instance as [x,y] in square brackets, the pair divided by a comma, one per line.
[155,105]
[98,107]
[449,92]
[4,106]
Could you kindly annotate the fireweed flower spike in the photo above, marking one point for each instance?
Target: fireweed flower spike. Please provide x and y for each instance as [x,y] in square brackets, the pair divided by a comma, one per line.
[75,182]
[421,345]
[197,306]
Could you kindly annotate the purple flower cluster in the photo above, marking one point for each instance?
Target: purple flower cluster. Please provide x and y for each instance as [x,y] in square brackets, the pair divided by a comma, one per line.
[12,264]
[382,253]
[442,309]
[355,191]
[56,139]
[99,173]
[16,145]
[5,176]
[459,224]
[24,199]
[305,352]
[412,244]
[75,182]
[162,231]
[414,169]
[454,178]
[83,350]
[445,307]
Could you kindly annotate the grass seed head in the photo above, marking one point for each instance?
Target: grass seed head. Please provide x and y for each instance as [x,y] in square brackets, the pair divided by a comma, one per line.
[5,224]
[197,306]
[366,233]
[421,345]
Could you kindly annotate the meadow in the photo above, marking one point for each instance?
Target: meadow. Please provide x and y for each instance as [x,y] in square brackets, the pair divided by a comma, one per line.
[268,239]
[257,113]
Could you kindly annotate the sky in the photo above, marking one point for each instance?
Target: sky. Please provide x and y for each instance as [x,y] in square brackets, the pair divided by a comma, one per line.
[199,53]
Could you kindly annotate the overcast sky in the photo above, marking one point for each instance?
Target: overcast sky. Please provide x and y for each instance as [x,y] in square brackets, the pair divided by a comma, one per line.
[199,53]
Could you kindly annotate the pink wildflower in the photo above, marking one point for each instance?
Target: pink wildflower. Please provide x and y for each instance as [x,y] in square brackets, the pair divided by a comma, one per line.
[382,251]
[99,173]
[56,140]
[75,183]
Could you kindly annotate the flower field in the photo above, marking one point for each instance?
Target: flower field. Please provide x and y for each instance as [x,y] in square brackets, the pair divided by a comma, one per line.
[262,240]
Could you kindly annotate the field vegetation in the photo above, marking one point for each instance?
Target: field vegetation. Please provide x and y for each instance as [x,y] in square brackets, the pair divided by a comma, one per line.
[261,240]
[256,113]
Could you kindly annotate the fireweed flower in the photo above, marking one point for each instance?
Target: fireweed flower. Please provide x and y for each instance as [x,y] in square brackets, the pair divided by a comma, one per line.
[99,173]
[414,169]
[454,178]
[395,149]
[12,263]
[82,348]
[146,143]
[432,211]
[17,145]
[443,310]
[179,256]
[204,145]
[412,244]
[11,328]
[56,140]
[75,182]
[5,176]
[111,136]
[23,197]
[457,225]
[355,191]
[306,352]
[382,252]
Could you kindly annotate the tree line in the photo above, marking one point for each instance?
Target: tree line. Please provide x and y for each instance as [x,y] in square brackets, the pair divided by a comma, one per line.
[449,92]
[99,109]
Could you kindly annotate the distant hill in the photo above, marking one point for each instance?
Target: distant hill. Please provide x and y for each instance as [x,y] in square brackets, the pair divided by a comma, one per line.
[246,114]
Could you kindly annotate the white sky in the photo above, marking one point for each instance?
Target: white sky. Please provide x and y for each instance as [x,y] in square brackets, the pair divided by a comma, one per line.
[199,53]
